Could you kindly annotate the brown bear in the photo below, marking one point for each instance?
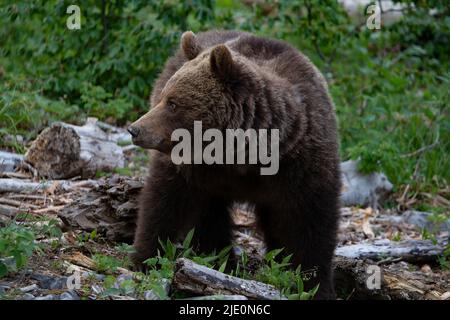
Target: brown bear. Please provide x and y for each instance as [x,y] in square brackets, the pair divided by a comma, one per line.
[230,79]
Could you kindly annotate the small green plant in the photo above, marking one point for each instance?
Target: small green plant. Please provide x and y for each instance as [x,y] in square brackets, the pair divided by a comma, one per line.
[289,282]
[300,294]
[115,287]
[102,174]
[125,248]
[48,228]
[397,236]
[16,241]
[241,269]
[161,267]
[427,235]
[124,171]
[104,263]
[171,252]
[87,236]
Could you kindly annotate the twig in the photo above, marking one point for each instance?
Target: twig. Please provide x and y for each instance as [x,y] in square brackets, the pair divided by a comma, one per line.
[389,260]
[351,294]
[27,196]
[423,149]
[48,209]
[401,200]
[18,204]
[14,175]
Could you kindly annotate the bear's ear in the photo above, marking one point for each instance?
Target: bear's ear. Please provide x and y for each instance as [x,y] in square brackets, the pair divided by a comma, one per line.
[190,46]
[222,63]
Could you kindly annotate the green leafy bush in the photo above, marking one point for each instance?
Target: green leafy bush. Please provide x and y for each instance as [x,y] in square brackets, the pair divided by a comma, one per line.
[106,69]
[426,26]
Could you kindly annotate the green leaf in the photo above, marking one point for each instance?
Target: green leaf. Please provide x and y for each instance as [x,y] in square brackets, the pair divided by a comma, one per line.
[270,256]
[300,285]
[223,266]
[151,262]
[187,241]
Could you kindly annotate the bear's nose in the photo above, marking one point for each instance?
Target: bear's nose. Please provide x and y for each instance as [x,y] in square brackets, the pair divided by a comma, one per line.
[133,131]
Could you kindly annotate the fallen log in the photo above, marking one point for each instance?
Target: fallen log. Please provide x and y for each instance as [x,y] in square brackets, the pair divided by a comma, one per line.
[26,186]
[110,208]
[356,279]
[410,250]
[19,185]
[197,279]
[64,151]
[10,161]
[118,135]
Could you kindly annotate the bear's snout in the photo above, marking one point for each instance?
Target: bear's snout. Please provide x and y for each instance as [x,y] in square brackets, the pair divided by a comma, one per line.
[146,139]
[149,132]
[134,131]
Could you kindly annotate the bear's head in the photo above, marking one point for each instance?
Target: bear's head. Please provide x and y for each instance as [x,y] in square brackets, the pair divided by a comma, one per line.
[201,90]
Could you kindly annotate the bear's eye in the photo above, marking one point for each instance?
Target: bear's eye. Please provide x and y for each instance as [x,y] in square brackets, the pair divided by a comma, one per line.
[172,106]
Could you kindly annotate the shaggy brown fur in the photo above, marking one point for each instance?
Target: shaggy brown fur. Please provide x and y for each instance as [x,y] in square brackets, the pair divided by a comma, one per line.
[237,80]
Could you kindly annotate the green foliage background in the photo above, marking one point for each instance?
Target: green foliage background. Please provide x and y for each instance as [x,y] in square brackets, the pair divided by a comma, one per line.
[390,86]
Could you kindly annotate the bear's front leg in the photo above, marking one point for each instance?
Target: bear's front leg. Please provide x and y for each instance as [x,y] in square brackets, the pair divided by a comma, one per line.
[162,212]
[170,206]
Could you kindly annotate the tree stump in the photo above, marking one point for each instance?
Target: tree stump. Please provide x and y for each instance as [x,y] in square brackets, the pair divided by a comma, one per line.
[64,151]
